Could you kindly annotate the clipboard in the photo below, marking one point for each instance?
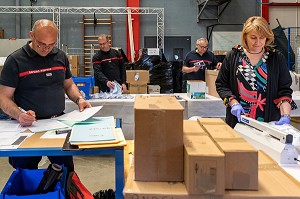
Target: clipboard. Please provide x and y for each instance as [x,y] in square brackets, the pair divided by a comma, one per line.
[35,141]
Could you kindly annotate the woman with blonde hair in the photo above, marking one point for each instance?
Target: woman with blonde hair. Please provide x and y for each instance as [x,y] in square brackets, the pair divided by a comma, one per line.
[254,78]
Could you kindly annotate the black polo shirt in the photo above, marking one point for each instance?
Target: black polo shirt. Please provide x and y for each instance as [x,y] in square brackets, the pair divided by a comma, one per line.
[193,58]
[39,81]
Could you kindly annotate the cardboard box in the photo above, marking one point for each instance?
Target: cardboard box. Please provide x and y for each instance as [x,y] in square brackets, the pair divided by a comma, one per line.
[158,138]
[241,159]
[137,88]
[203,165]
[210,79]
[192,127]
[74,64]
[274,183]
[220,52]
[196,89]
[137,76]
[212,120]
[153,89]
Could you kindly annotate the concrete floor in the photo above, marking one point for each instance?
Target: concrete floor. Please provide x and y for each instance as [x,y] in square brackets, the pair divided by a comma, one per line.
[96,173]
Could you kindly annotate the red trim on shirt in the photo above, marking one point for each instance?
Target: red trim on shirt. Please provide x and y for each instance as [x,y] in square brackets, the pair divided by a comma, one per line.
[105,60]
[41,70]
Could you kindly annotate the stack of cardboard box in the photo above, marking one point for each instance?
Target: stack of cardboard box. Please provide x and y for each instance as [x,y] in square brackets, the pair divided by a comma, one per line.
[137,81]
[218,164]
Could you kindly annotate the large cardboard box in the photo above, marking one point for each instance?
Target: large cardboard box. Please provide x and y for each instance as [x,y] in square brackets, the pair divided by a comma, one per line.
[74,64]
[241,159]
[192,127]
[196,89]
[203,165]
[274,183]
[137,88]
[137,80]
[210,79]
[137,76]
[158,138]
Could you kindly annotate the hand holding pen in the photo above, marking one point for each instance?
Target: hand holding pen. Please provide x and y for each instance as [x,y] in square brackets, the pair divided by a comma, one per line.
[26,118]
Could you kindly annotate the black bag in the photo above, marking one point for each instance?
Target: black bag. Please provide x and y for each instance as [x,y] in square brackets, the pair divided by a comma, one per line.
[75,189]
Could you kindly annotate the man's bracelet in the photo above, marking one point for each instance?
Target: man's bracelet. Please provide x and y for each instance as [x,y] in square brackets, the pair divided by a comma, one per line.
[77,100]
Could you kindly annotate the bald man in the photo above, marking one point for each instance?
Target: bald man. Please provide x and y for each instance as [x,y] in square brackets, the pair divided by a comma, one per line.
[35,79]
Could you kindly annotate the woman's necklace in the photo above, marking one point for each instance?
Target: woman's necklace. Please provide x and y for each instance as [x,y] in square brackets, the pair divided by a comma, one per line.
[256,53]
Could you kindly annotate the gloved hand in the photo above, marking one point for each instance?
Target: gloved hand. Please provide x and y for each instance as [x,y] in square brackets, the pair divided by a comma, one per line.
[283,120]
[236,110]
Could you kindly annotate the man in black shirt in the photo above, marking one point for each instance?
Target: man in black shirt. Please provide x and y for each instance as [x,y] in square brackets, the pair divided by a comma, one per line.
[199,60]
[35,79]
[108,66]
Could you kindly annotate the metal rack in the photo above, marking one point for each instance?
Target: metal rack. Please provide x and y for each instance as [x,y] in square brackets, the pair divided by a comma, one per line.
[57,11]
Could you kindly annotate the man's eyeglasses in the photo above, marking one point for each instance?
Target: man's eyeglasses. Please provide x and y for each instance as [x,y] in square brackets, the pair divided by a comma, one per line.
[204,47]
[43,45]
[102,44]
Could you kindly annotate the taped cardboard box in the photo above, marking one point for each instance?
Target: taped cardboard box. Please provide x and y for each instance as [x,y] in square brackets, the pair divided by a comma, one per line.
[210,79]
[153,89]
[158,138]
[215,121]
[192,127]
[203,165]
[137,88]
[137,76]
[241,159]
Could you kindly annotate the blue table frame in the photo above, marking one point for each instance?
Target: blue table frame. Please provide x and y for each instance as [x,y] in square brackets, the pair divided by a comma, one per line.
[118,152]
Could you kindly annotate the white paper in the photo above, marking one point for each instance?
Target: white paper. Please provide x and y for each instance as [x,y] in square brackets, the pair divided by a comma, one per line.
[7,139]
[52,134]
[45,125]
[78,116]
[10,126]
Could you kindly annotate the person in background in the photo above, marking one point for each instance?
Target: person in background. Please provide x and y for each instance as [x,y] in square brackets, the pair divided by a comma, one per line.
[199,60]
[108,66]
[35,78]
[254,79]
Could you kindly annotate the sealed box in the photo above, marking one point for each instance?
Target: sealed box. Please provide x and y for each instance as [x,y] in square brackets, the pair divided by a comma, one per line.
[158,138]
[137,76]
[241,159]
[210,79]
[74,64]
[192,127]
[137,88]
[196,89]
[203,165]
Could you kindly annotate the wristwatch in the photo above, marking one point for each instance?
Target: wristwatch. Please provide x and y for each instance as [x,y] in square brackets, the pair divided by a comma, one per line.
[77,100]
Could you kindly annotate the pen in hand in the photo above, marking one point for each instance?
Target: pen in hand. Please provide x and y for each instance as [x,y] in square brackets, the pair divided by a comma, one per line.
[23,111]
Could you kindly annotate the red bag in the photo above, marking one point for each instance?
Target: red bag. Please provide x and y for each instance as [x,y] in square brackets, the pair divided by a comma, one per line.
[75,189]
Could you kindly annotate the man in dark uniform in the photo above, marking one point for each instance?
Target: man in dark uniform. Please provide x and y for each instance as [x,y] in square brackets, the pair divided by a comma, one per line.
[199,60]
[108,66]
[35,78]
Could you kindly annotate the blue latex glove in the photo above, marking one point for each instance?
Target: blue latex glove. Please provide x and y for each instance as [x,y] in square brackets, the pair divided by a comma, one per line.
[283,120]
[237,110]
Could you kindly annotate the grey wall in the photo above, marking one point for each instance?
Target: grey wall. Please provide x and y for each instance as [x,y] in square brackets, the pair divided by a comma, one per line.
[180,19]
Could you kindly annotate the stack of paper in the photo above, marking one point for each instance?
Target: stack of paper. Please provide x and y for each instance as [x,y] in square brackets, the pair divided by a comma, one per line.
[92,134]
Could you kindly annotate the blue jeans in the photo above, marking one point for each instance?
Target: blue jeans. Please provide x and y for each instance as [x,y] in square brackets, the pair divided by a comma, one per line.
[31,162]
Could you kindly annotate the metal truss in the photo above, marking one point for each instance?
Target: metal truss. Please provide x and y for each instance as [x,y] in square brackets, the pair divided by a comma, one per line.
[57,11]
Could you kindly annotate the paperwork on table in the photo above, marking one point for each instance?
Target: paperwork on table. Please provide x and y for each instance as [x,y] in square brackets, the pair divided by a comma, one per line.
[78,116]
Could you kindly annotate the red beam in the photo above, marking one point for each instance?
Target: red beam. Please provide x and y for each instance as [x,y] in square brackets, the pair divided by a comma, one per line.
[265,9]
[284,4]
[135,29]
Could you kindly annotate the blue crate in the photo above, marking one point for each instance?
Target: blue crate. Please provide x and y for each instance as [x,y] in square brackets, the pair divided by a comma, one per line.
[23,183]
[85,84]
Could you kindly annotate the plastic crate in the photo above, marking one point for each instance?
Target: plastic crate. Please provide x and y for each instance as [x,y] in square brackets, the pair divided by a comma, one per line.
[85,84]
[23,183]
